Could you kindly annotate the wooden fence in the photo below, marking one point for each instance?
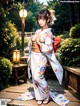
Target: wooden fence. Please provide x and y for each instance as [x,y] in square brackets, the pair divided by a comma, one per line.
[27,34]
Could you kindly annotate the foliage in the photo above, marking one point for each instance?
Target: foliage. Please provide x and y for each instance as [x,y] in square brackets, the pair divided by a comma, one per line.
[33,9]
[75,31]
[5,6]
[14,16]
[64,35]
[63,19]
[8,38]
[25,42]
[70,52]
[63,14]
[30,22]
[19,44]
[10,8]
[5,71]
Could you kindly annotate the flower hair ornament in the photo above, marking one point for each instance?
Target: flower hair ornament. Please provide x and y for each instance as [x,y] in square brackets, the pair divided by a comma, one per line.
[53,18]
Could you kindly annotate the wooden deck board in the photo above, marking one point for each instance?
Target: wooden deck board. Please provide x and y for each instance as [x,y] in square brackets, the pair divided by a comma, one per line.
[69,94]
[33,103]
[29,103]
[74,104]
[14,91]
[9,95]
[72,99]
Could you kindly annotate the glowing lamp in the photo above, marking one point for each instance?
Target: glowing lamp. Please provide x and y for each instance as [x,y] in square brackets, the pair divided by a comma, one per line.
[23,13]
[16,56]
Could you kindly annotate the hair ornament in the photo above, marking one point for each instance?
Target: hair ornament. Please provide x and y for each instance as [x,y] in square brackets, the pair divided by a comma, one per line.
[53,18]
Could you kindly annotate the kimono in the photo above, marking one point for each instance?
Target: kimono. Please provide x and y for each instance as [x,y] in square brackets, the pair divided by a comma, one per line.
[37,62]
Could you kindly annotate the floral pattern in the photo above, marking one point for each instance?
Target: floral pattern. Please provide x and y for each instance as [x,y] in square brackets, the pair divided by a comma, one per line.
[38,62]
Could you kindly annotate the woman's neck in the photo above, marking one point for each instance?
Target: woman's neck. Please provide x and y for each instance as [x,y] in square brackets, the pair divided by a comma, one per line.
[44,27]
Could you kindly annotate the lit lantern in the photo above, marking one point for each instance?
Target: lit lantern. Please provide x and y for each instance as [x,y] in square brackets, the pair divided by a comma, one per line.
[16,56]
[23,15]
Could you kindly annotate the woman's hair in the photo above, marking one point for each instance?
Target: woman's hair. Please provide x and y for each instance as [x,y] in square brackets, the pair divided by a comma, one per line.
[44,14]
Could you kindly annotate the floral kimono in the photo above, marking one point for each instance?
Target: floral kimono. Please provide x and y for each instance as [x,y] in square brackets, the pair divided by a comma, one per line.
[37,62]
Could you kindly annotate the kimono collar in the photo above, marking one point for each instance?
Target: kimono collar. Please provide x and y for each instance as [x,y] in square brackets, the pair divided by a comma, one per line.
[45,30]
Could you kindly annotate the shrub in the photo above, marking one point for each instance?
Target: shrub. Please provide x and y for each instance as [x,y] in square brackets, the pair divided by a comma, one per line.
[64,35]
[5,71]
[19,43]
[70,52]
[8,38]
[75,31]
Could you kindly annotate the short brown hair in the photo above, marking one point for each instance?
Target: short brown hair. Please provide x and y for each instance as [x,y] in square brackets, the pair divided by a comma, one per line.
[45,14]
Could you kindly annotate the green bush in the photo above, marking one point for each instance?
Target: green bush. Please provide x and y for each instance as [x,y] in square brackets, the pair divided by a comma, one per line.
[5,71]
[64,35]
[8,38]
[25,42]
[75,31]
[19,43]
[70,52]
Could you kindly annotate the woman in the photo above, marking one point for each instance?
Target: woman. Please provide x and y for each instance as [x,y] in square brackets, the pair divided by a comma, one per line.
[41,51]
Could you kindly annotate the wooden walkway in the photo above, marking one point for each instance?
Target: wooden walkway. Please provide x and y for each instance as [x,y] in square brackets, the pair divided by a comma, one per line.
[13,92]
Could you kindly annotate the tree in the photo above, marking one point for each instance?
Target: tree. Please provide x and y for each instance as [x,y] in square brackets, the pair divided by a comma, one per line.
[8,38]
[72,14]
[62,14]
[67,15]
[8,32]
[30,21]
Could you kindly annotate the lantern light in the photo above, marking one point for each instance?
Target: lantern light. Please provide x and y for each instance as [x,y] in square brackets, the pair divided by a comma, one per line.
[16,56]
[23,13]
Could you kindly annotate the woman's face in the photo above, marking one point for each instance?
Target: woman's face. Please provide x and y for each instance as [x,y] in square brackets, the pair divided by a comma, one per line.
[42,22]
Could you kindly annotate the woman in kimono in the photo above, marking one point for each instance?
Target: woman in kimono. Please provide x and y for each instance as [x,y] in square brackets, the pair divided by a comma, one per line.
[41,51]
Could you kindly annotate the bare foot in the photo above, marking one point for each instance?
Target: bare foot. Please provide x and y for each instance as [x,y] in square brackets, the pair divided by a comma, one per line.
[39,102]
[46,100]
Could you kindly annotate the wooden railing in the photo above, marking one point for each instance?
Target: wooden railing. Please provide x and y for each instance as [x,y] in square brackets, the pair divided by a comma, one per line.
[72,78]
[26,34]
